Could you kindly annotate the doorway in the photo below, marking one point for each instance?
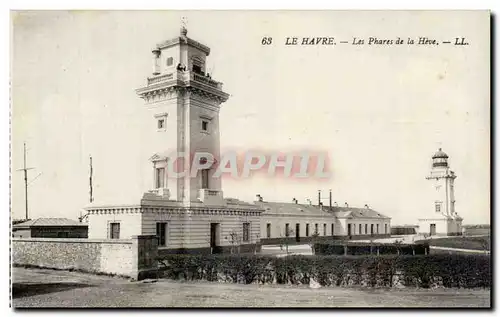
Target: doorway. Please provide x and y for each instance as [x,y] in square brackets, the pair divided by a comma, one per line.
[215,237]
[432,230]
[297,232]
[349,229]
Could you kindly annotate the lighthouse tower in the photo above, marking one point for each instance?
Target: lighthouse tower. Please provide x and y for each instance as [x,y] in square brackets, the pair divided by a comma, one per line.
[183,103]
[441,217]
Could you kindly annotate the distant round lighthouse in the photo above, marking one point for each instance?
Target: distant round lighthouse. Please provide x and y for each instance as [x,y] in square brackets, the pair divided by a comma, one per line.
[440,218]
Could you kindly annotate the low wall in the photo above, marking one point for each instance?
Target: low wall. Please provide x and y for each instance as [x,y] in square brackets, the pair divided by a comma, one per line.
[132,257]
[304,240]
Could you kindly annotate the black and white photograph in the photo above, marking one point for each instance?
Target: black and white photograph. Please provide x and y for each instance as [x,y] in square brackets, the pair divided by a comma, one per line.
[250,159]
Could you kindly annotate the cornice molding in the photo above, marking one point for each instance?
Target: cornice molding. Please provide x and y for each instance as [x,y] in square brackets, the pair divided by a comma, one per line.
[174,210]
[159,93]
[184,40]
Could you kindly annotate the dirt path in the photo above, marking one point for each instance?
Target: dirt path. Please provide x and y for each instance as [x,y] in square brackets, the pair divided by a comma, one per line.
[48,288]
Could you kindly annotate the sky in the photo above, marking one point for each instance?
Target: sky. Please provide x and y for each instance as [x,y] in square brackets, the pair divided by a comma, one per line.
[379,111]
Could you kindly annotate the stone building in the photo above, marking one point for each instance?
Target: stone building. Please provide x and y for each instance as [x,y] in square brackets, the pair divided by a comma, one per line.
[50,228]
[185,213]
[298,223]
[441,217]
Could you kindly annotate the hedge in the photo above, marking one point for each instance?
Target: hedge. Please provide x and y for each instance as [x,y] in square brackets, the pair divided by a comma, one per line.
[440,270]
[367,249]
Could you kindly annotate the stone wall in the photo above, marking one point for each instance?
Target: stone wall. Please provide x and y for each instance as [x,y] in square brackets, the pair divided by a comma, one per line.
[131,257]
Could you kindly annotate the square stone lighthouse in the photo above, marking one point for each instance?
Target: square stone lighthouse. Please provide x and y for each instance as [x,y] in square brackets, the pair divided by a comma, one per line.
[186,213]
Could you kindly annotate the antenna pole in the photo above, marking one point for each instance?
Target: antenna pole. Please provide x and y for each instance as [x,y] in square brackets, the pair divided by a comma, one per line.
[91,199]
[25,182]
[25,170]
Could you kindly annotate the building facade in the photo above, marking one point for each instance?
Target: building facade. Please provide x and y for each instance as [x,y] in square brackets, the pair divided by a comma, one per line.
[189,212]
[441,217]
[302,223]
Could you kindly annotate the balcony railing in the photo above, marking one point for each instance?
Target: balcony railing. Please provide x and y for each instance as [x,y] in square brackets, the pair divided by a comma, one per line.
[206,80]
[210,196]
[160,78]
[185,76]
[160,192]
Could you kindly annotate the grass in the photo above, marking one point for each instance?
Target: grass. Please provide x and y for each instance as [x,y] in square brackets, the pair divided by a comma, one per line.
[472,243]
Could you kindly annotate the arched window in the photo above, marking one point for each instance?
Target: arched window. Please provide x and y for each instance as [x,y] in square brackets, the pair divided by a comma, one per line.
[170,61]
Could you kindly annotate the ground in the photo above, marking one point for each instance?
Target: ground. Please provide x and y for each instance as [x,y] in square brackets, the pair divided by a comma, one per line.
[50,288]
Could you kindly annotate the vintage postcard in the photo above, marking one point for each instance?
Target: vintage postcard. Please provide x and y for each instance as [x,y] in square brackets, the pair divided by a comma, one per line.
[250,159]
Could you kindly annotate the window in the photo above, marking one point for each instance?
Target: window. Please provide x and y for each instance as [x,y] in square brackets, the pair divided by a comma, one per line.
[333,229]
[114,232]
[204,125]
[161,124]
[160,177]
[371,228]
[170,61]
[161,233]
[385,231]
[197,69]
[377,228]
[316,229]
[246,231]
[204,179]
[438,206]
[366,228]
[268,230]
[197,62]
[307,230]
[161,121]
[360,229]
[324,229]
[287,229]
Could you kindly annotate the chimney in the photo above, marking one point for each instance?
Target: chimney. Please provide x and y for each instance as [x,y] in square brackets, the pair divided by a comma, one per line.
[294,200]
[346,204]
[259,198]
[335,204]
[330,199]
[366,206]
[319,197]
[309,201]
